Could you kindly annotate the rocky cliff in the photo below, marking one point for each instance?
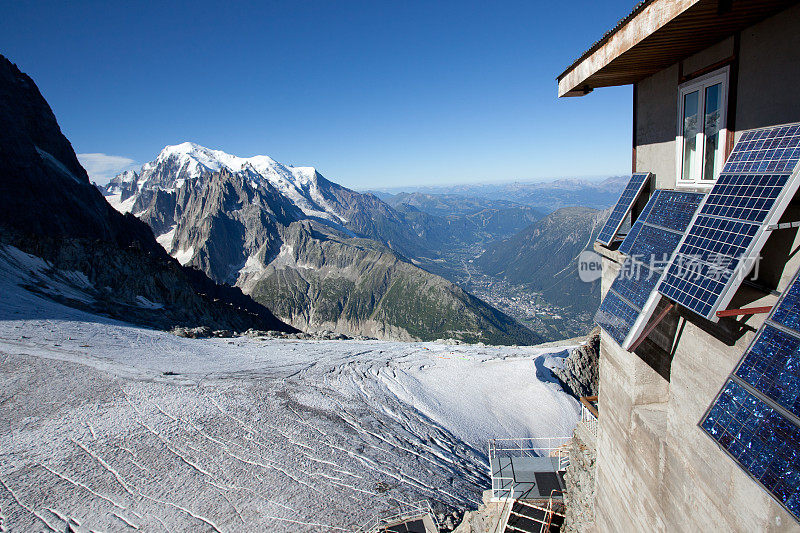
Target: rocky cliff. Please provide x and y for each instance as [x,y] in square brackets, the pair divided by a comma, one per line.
[48,208]
[580,371]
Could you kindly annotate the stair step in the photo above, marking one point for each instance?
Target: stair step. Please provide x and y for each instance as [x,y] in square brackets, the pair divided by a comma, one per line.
[531,510]
[512,529]
[523,523]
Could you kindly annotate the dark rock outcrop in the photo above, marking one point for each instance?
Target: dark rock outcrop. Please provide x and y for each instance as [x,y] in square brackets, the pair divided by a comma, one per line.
[48,208]
[580,372]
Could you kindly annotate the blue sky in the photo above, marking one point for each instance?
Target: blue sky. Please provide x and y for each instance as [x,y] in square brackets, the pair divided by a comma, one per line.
[373,94]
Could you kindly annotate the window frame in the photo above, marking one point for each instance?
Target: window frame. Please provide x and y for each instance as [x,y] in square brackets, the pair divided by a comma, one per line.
[700,84]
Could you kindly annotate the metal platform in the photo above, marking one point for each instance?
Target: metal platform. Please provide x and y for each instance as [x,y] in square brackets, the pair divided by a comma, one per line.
[531,477]
[527,468]
[404,518]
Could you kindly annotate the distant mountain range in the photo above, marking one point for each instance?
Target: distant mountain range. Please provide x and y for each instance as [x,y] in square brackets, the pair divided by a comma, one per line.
[249,237]
[321,256]
[469,219]
[546,196]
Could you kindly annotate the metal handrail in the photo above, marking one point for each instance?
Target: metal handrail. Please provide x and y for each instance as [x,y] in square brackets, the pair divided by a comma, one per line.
[404,511]
[550,513]
[589,414]
[524,447]
[505,520]
[590,402]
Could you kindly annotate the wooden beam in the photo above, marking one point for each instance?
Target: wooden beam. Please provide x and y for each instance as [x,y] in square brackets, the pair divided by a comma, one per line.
[745,311]
[651,327]
[587,402]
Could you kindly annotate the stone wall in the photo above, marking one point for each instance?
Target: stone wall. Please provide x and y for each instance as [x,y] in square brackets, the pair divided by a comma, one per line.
[580,482]
[486,519]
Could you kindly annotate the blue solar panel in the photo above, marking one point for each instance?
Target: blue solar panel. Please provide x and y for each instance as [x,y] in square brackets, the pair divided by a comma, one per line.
[654,245]
[650,248]
[630,238]
[616,316]
[635,283]
[627,243]
[674,210]
[772,366]
[728,229]
[670,210]
[624,204]
[755,417]
[787,312]
[762,440]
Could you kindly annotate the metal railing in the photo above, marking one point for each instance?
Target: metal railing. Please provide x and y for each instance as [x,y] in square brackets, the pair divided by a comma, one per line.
[555,507]
[399,514]
[589,414]
[504,484]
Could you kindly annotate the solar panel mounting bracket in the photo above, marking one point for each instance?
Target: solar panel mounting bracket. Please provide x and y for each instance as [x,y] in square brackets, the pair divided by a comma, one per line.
[783,225]
[744,311]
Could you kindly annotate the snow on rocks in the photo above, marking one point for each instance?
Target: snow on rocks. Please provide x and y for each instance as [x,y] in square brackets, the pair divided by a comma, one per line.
[191,161]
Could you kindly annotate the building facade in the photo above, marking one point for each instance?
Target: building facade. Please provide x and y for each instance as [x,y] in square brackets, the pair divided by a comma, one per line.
[703,72]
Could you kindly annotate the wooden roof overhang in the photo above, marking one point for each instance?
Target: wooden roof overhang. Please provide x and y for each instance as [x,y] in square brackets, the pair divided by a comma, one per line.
[657,34]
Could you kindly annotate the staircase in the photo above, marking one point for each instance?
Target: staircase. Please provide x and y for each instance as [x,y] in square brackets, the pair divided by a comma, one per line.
[536,516]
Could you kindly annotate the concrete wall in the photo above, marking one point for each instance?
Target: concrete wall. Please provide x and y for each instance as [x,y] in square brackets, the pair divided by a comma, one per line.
[766,95]
[656,469]
[769,73]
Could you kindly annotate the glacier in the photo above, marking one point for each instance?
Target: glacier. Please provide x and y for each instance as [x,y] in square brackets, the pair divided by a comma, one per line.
[110,426]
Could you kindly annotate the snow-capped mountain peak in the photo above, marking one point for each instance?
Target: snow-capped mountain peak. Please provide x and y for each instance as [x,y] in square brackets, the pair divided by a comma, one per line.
[190,161]
[197,159]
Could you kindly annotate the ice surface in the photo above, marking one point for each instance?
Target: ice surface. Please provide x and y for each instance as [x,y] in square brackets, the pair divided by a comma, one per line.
[114,426]
[165,239]
[184,256]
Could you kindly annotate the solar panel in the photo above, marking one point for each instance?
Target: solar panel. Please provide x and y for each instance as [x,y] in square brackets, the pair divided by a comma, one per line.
[772,366]
[763,441]
[650,244]
[756,416]
[627,242]
[758,181]
[631,193]
[787,312]
[616,316]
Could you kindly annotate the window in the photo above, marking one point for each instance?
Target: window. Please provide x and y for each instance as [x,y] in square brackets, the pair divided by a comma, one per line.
[702,105]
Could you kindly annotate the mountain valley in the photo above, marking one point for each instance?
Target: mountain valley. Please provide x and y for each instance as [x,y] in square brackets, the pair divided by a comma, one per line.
[324,257]
[320,256]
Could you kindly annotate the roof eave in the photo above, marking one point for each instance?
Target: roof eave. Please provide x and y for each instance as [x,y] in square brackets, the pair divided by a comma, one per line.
[643,22]
[657,34]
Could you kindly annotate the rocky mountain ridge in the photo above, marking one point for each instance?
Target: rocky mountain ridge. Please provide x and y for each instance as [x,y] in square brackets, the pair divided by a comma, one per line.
[321,256]
[50,210]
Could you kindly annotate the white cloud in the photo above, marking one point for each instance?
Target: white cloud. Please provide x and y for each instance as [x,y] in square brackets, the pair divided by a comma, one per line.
[102,167]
